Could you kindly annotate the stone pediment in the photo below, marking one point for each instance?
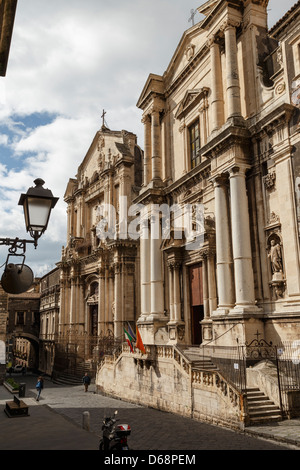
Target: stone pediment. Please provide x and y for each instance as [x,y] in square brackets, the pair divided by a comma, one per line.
[71,187]
[208,7]
[190,100]
[154,85]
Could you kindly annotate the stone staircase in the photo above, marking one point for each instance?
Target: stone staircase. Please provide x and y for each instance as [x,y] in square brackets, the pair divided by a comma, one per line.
[261,408]
[73,378]
[197,359]
[66,378]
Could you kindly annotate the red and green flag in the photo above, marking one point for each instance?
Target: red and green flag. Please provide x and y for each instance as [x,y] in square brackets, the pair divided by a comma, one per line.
[129,340]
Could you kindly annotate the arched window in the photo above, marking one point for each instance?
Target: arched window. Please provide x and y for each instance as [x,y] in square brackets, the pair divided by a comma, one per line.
[94,288]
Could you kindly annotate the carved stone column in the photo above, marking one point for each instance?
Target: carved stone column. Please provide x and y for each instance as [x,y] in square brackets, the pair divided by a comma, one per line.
[156,144]
[232,74]
[145,268]
[156,272]
[223,247]
[147,149]
[217,100]
[241,244]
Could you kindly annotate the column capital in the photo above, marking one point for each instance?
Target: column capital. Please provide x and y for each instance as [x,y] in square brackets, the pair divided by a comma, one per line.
[230,23]
[211,40]
[220,180]
[156,107]
[146,119]
[238,169]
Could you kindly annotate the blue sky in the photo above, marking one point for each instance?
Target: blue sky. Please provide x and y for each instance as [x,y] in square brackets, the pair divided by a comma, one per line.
[68,61]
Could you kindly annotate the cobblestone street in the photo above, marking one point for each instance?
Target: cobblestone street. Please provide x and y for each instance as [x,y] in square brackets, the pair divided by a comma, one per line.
[55,422]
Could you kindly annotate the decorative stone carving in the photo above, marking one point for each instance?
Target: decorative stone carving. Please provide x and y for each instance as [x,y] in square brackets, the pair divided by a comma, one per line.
[269,180]
[279,89]
[190,51]
[273,219]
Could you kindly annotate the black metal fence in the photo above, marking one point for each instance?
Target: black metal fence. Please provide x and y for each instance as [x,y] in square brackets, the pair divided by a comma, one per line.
[230,362]
[233,363]
[75,354]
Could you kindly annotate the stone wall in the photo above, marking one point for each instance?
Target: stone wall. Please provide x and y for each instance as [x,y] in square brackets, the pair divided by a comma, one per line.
[164,384]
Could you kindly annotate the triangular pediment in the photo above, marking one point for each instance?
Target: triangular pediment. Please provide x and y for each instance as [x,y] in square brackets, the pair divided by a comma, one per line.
[71,186]
[190,100]
[153,85]
[208,7]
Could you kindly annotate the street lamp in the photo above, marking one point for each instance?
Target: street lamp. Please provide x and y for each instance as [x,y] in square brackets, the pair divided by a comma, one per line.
[37,204]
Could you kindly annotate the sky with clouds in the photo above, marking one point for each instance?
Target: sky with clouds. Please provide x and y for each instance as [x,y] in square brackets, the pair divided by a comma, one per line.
[68,61]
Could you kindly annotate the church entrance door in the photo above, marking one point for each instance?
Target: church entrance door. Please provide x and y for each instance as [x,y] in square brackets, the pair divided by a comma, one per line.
[94,319]
[197,309]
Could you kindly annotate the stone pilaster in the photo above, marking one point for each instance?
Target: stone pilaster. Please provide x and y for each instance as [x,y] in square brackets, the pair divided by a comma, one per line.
[118,301]
[177,297]
[212,287]
[171,291]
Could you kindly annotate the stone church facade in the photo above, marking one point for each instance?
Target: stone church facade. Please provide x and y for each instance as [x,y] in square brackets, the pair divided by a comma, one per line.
[222,138]
[98,274]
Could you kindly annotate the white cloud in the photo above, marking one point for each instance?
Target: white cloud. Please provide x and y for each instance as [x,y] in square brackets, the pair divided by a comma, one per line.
[71,59]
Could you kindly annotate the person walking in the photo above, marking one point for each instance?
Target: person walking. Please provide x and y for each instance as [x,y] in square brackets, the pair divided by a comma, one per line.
[39,387]
[86,381]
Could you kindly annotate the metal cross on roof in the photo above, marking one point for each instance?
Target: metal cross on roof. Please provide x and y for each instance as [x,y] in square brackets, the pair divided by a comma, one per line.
[103,116]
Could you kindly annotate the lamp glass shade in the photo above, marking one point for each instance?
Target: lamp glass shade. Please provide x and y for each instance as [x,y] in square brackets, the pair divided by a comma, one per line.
[37,212]
[37,204]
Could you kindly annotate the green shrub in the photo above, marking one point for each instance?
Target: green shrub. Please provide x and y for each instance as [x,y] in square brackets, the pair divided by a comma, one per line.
[13,384]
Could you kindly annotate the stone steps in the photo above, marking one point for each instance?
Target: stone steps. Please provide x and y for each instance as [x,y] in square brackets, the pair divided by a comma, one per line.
[198,360]
[261,409]
[67,379]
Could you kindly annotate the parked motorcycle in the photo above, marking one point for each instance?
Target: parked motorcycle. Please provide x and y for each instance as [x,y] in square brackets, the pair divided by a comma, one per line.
[114,436]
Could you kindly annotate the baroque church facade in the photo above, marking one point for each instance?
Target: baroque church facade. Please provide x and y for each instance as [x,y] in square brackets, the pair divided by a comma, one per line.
[222,145]
[98,274]
[221,129]
[221,136]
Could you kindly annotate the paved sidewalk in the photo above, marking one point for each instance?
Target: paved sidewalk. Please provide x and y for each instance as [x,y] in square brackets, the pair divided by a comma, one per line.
[55,422]
[287,431]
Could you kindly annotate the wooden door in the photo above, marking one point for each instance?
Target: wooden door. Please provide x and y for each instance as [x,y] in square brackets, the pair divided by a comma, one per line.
[196,304]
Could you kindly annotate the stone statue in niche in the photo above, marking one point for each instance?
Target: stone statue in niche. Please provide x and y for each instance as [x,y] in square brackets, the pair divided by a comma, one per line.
[275,256]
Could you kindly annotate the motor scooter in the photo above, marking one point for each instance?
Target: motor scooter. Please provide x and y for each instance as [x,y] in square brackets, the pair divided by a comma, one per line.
[114,436]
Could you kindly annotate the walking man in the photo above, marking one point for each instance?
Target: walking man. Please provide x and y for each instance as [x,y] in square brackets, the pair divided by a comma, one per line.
[86,381]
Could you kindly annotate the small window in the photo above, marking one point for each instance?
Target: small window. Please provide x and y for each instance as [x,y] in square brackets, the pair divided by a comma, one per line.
[194,135]
[20,318]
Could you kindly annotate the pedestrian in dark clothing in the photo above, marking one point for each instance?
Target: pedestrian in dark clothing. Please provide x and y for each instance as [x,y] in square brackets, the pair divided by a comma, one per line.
[86,381]
[39,387]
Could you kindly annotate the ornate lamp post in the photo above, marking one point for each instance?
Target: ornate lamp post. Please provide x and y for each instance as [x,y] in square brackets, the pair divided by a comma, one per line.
[37,204]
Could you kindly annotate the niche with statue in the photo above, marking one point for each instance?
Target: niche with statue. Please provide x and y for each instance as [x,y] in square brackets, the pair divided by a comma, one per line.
[276,263]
